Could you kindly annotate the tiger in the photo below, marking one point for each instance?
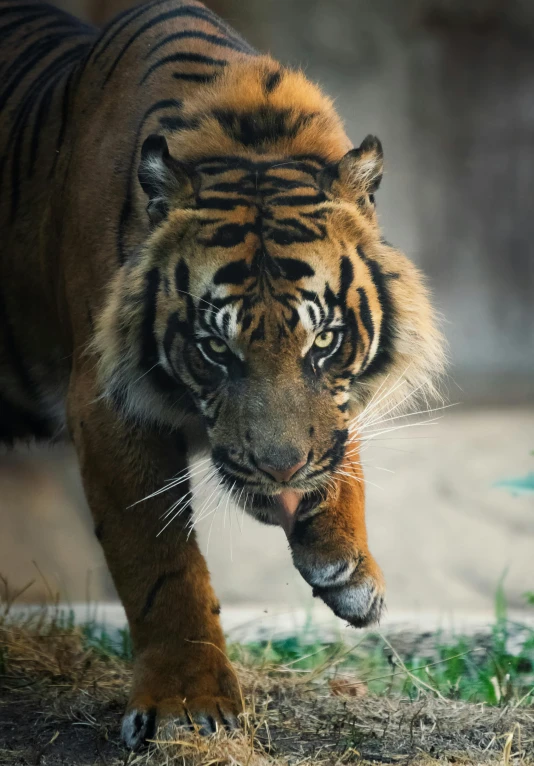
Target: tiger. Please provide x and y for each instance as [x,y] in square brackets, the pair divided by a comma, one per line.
[192,264]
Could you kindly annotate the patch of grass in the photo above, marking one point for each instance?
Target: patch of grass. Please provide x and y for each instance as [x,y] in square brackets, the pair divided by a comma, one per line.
[63,689]
[495,668]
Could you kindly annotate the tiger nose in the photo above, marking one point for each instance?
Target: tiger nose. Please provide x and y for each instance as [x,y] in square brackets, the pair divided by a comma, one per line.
[282,474]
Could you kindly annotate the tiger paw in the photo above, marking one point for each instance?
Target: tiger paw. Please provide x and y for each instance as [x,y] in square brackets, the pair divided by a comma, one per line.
[360,598]
[349,581]
[199,692]
[203,714]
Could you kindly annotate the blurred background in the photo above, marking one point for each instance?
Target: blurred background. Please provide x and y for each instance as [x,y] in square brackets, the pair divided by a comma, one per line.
[448,86]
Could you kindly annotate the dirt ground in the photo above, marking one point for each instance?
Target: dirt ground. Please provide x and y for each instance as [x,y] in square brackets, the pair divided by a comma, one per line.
[61,704]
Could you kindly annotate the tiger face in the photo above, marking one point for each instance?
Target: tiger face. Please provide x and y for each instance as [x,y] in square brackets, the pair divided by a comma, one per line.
[268,306]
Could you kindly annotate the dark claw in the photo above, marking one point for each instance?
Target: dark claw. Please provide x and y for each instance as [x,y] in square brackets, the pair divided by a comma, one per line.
[229,719]
[206,723]
[137,728]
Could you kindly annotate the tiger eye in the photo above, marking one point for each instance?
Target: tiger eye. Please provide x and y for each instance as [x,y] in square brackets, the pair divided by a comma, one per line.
[324,339]
[217,346]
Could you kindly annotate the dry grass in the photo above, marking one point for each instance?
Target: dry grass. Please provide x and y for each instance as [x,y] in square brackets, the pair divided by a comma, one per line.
[61,703]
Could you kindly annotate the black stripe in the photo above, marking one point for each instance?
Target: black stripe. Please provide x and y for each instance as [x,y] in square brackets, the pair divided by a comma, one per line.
[108,36]
[155,589]
[40,50]
[126,208]
[346,277]
[258,334]
[211,420]
[279,182]
[264,124]
[39,123]
[297,232]
[229,235]
[149,360]
[204,78]
[175,123]
[221,455]
[234,273]
[194,58]
[294,269]
[298,162]
[24,110]
[384,354]
[64,117]
[223,42]
[333,455]
[14,25]
[36,51]
[222,203]
[299,199]
[227,187]
[186,10]
[72,24]
[352,336]
[272,81]
[174,326]
[149,346]
[366,316]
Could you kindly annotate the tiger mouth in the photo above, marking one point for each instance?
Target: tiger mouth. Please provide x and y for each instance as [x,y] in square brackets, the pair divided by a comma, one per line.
[267,508]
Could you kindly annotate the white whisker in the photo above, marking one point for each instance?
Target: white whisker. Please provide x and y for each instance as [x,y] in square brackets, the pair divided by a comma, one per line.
[181,504]
[424,424]
[405,415]
[396,406]
[189,471]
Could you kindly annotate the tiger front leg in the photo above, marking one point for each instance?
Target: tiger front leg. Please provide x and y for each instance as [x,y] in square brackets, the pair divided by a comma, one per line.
[330,550]
[181,673]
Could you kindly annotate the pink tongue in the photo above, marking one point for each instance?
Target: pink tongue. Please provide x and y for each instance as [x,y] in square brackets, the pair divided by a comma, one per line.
[287,503]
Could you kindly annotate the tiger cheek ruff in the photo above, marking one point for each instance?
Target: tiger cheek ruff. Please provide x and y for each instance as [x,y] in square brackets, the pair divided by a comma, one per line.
[192,263]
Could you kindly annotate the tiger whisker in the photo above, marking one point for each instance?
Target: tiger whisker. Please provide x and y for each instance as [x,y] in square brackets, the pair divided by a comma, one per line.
[211,525]
[361,438]
[202,300]
[225,509]
[185,499]
[372,406]
[237,502]
[244,509]
[197,518]
[424,424]
[395,406]
[174,482]
[359,479]
[194,464]
[407,415]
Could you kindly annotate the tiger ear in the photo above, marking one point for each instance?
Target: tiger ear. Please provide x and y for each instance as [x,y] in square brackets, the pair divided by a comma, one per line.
[167,182]
[358,172]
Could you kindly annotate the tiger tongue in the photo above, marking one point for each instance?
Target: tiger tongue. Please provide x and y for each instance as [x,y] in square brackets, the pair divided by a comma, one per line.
[286,504]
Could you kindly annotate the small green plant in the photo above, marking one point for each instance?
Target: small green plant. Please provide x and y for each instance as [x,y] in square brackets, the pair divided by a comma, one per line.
[98,638]
[496,668]
[521,485]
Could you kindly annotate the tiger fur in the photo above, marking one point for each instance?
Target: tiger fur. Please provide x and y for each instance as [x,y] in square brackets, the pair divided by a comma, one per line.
[191,261]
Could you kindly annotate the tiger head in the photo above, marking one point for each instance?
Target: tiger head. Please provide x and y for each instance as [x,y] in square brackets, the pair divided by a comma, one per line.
[265,302]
